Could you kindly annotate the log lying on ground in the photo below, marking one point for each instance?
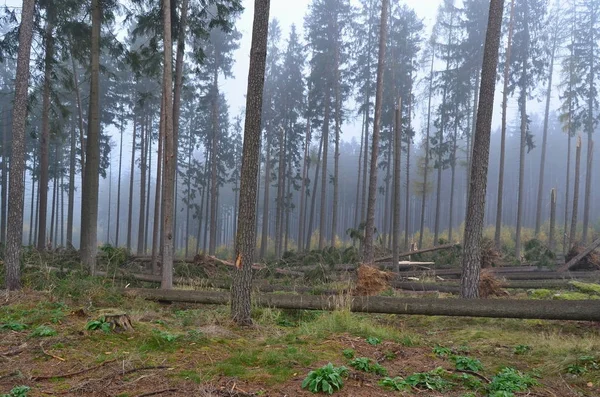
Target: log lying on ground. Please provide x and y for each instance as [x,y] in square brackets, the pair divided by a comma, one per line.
[496,308]
[407,253]
[430,287]
[583,254]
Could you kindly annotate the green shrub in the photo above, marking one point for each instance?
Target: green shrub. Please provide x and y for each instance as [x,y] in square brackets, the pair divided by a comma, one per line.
[43,331]
[348,353]
[17,391]
[396,384]
[509,381]
[367,365]
[431,380]
[464,363]
[327,379]
[441,351]
[14,326]
[522,349]
[99,324]
[373,340]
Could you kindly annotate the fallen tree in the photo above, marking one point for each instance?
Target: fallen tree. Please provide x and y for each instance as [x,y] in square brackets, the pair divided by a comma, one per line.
[496,308]
[574,261]
[422,251]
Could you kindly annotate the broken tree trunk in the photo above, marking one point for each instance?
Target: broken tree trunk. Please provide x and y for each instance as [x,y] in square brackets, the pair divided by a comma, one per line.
[583,254]
[496,308]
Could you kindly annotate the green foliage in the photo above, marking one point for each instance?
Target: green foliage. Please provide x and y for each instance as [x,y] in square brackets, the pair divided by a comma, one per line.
[431,380]
[396,384]
[509,381]
[326,379]
[468,381]
[17,391]
[99,324]
[13,326]
[522,349]
[367,365]
[536,251]
[464,363]
[165,336]
[373,340]
[583,365]
[43,331]
[441,351]
[348,353]
[114,256]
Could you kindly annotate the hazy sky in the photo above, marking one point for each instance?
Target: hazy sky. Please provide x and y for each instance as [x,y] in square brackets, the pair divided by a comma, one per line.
[290,12]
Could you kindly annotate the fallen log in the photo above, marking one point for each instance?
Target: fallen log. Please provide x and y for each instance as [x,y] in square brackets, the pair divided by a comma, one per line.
[583,254]
[407,253]
[496,308]
[429,287]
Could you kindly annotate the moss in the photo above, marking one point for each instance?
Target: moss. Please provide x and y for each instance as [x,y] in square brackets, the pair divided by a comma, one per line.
[588,288]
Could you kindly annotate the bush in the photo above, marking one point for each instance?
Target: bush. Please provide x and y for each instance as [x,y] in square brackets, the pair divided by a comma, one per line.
[327,379]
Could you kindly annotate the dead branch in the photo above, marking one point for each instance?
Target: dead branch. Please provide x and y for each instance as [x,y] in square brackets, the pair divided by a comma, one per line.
[154,393]
[71,374]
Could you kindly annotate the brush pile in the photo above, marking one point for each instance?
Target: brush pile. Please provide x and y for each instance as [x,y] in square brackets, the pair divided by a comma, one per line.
[372,281]
[490,286]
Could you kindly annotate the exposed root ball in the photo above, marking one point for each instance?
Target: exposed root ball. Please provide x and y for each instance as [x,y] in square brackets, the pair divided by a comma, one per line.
[489,254]
[489,285]
[371,281]
[589,262]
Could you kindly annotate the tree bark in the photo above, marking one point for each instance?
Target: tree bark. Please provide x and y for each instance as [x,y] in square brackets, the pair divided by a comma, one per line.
[245,239]
[144,138]
[280,193]
[314,197]
[551,236]
[323,206]
[214,151]
[170,156]
[497,236]
[71,196]
[118,218]
[131,174]
[573,235]
[407,203]
[5,167]
[370,225]
[471,261]
[396,195]
[157,201]
[305,168]
[31,240]
[89,195]
[521,194]
[267,187]
[426,170]
[45,136]
[16,194]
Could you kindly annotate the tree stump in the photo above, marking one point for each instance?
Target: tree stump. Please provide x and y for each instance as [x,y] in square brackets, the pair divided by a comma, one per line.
[119,321]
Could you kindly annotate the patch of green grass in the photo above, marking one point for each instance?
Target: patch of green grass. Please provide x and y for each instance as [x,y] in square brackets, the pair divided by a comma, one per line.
[17,391]
[432,380]
[190,375]
[441,351]
[348,353]
[522,349]
[13,326]
[464,363]
[587,288]
[373,340]
[395,384]
[43,331]
[582,365]
[367,365]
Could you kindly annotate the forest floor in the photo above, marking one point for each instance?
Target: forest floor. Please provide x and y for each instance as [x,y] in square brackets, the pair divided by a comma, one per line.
[46,344]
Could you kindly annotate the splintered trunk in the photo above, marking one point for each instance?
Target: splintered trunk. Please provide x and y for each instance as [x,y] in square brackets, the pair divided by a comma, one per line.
[368,251]
[16,195]
[89,195]
[170,158]
[267,187]
[45,136]
[118,218]
[521,196]
[305,168]
[214,185]
[131,174]
[144,141]
[573,234]
[538,213]
[71,196]
[322,217]
[157,202]
[314,197]
[551,236]
[499,201]
[471,258]
[426,170]
[396,195]
[245,239]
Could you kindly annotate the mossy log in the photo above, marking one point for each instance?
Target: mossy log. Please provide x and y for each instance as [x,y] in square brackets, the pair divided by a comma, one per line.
[582,310]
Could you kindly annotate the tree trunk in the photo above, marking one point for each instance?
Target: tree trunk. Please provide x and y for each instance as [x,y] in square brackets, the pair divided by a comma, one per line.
[386,202]
[322,217]
[157,201]
[573,235]
[370,225]
[45,136]
[131,174]
[33,204]
[471,259]
[148,185]
[142,204]
[89,195]
[280,193]
[314,197]
[214,184]
[551,236]
[245,239]
[521,195]
[357,199]
[305,168]
[5,168]
[80,115]
[453,176]
[588,187]
[170,156]
[426,171]
[53,205]
[267,187]
[71,196]
[538,213]
[109,199]
[336,153]
[407,203]
[497,236]
[118,218]
[16,194]
[396,195]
